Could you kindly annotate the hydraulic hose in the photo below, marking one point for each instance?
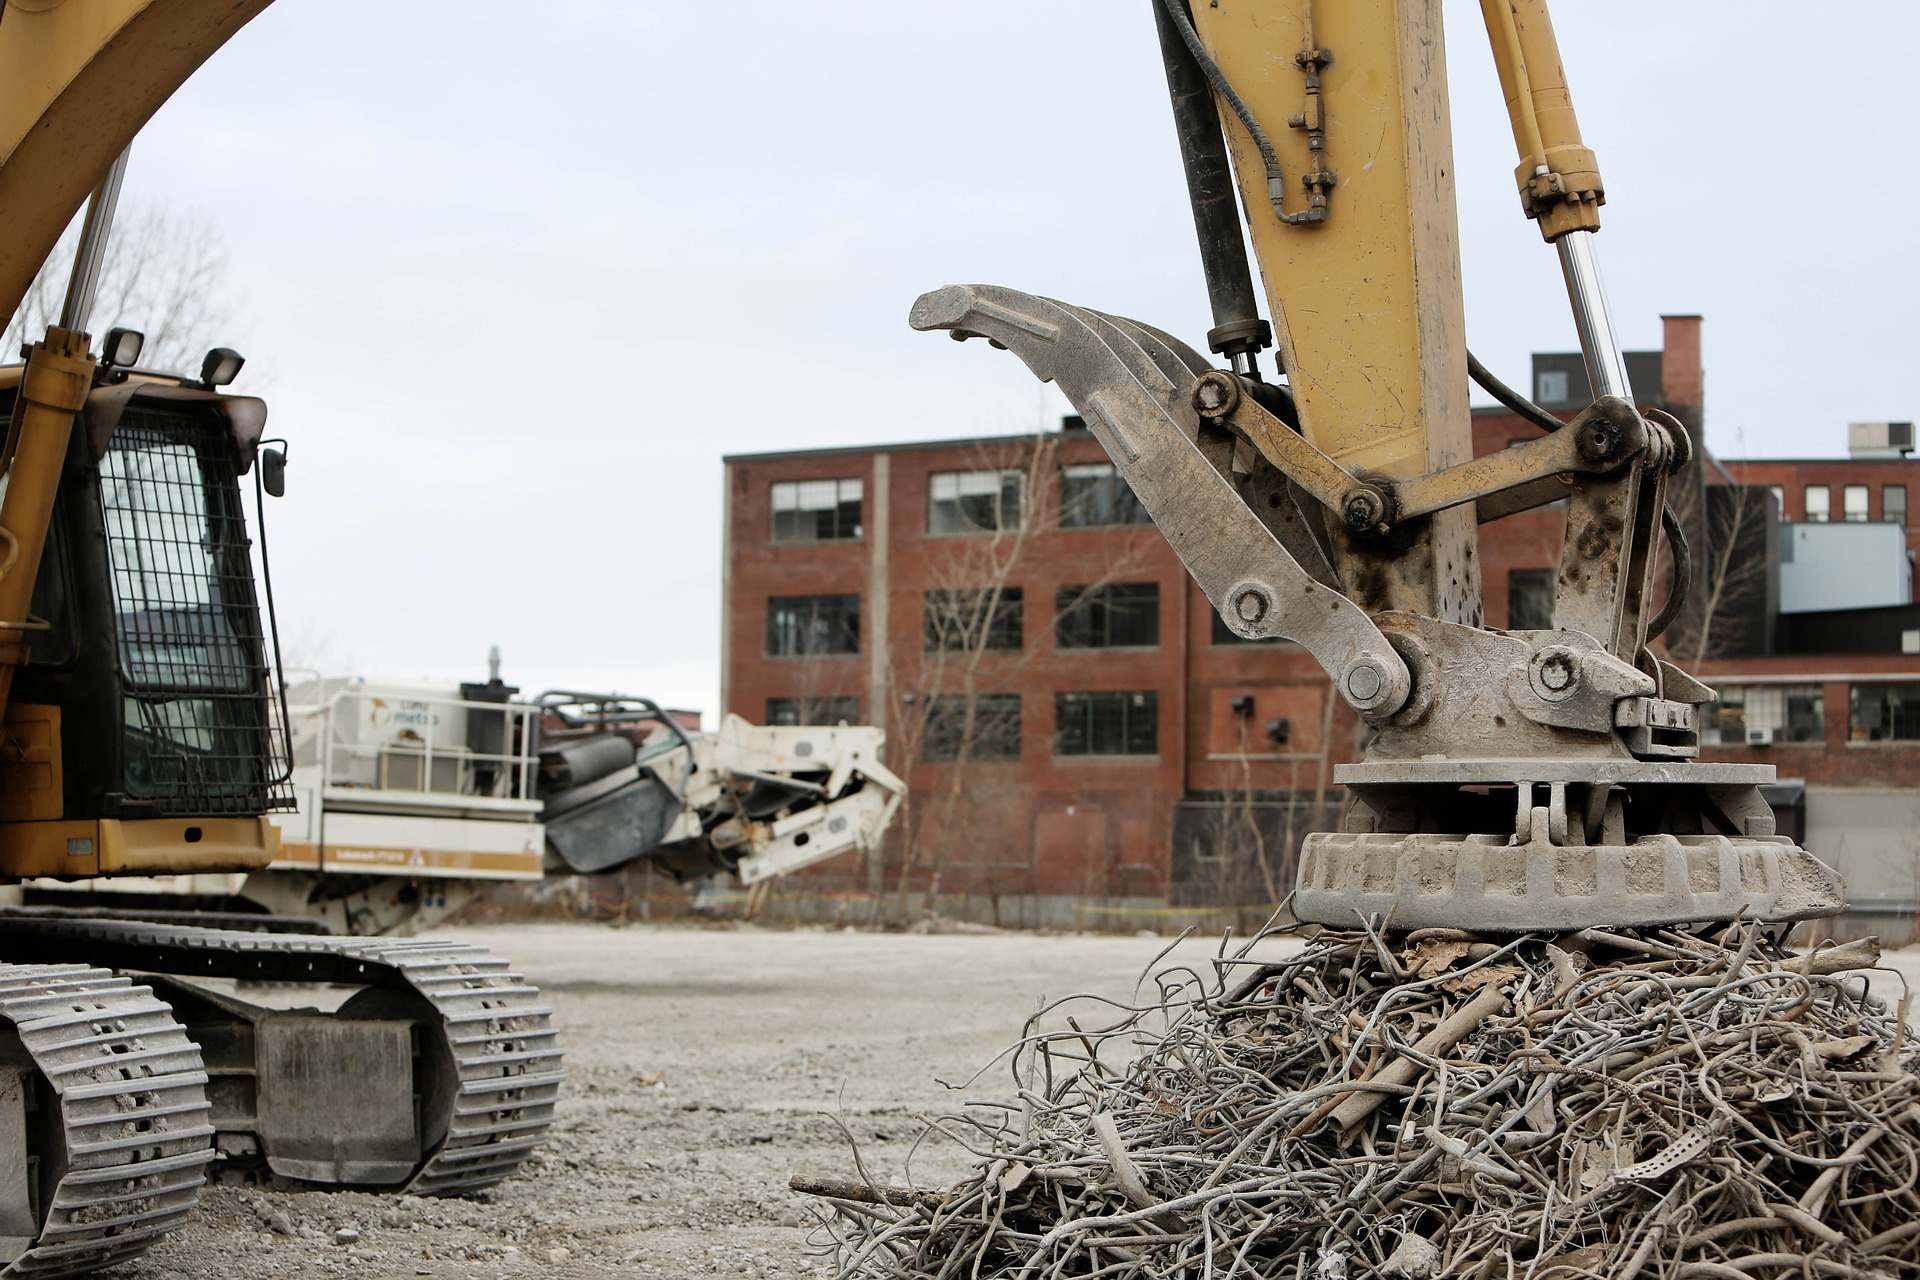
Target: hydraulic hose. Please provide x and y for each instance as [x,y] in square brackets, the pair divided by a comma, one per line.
[1512,399]
[1176,11]
[1682,572]
[1237,327]
[1669,523]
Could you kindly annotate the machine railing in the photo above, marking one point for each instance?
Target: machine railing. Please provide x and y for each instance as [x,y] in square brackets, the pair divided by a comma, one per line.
[568,711]
[379,742]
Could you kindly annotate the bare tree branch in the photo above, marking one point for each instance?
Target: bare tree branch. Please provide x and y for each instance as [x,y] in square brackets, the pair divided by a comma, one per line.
[165,274]
[1730,582]
[966,662]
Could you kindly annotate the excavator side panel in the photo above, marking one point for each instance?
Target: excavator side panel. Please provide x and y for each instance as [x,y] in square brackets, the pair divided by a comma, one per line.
[138,847]
[1366,305]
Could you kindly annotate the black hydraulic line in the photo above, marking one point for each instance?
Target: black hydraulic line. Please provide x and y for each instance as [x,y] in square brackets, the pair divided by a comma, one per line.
[1512,399]
[1176,12]
[1669,523]
[1682,572]
[1237,326]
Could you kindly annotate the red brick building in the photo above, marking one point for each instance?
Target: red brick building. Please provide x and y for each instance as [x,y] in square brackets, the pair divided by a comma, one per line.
[1105,695]
[1082,736]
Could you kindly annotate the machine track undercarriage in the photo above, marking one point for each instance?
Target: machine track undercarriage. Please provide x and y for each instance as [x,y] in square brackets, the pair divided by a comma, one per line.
[425,1067]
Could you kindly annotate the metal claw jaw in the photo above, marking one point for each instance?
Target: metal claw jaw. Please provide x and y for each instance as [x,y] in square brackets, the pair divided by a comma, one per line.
[1134,387]
[1534,714]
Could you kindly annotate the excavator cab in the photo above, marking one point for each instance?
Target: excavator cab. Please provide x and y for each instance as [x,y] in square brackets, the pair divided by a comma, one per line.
[145,727]
[146,735]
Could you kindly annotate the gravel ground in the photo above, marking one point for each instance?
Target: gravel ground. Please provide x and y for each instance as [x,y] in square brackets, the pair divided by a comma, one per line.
[704,1067]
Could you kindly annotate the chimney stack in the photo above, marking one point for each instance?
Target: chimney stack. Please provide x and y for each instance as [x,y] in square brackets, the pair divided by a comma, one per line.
[1682,380]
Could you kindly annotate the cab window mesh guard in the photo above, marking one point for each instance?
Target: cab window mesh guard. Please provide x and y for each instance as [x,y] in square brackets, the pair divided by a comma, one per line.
[204,735]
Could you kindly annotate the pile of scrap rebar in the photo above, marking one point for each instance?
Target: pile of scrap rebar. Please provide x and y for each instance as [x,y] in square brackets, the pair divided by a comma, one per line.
[1661,1104]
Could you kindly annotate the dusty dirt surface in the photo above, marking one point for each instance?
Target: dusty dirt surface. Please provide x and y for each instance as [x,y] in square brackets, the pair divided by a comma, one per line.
[704,1067]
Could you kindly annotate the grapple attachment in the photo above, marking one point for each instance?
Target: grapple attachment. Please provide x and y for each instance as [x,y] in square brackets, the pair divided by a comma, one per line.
[1514,780]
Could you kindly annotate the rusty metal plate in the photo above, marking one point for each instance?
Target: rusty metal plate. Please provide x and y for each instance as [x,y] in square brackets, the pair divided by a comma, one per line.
[1487,884]
[1378,772]
[336,1099]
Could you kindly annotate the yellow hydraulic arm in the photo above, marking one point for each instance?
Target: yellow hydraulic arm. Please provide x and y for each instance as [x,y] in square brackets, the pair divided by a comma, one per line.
[1366,299]
[1337,122]
[78,79]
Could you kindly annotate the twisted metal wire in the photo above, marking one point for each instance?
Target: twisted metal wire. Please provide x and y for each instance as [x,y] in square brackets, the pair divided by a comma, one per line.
[1660,1105]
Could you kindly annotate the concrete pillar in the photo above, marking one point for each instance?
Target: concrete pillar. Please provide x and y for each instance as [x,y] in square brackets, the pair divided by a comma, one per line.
[726,594]
[878,503]
[874,626]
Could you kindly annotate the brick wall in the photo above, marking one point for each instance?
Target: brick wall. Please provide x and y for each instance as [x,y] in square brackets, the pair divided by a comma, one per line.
[1047,823]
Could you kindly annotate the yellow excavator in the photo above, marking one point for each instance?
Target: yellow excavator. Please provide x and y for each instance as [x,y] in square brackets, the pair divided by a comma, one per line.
[1511,781]
[141,733]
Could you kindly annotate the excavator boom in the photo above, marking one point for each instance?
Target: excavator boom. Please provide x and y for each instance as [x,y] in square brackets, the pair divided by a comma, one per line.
[1513,780]
[78,79]
[1351,213]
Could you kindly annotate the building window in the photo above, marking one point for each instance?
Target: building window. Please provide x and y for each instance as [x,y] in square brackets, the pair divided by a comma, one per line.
[796,711]
[799,625]
[1094,494]
[975,501]
[1763,713]
[1819,503]
[1106,724]
[1893,504]
[1779,500]
[994,735]
[1550,386]
[1530,599]
[816,510]
[1116,615]
[1886,713]
[971,620]
[1224,634]
[1853,504]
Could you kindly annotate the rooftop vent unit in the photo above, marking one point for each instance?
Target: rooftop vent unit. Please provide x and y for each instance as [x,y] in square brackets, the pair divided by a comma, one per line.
[1879,439]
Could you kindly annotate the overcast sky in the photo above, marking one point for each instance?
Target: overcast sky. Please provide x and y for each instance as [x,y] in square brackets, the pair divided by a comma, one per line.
[514,276]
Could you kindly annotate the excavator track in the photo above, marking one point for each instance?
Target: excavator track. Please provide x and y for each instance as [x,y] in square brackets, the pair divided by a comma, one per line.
[499,1047]
[131,1098]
